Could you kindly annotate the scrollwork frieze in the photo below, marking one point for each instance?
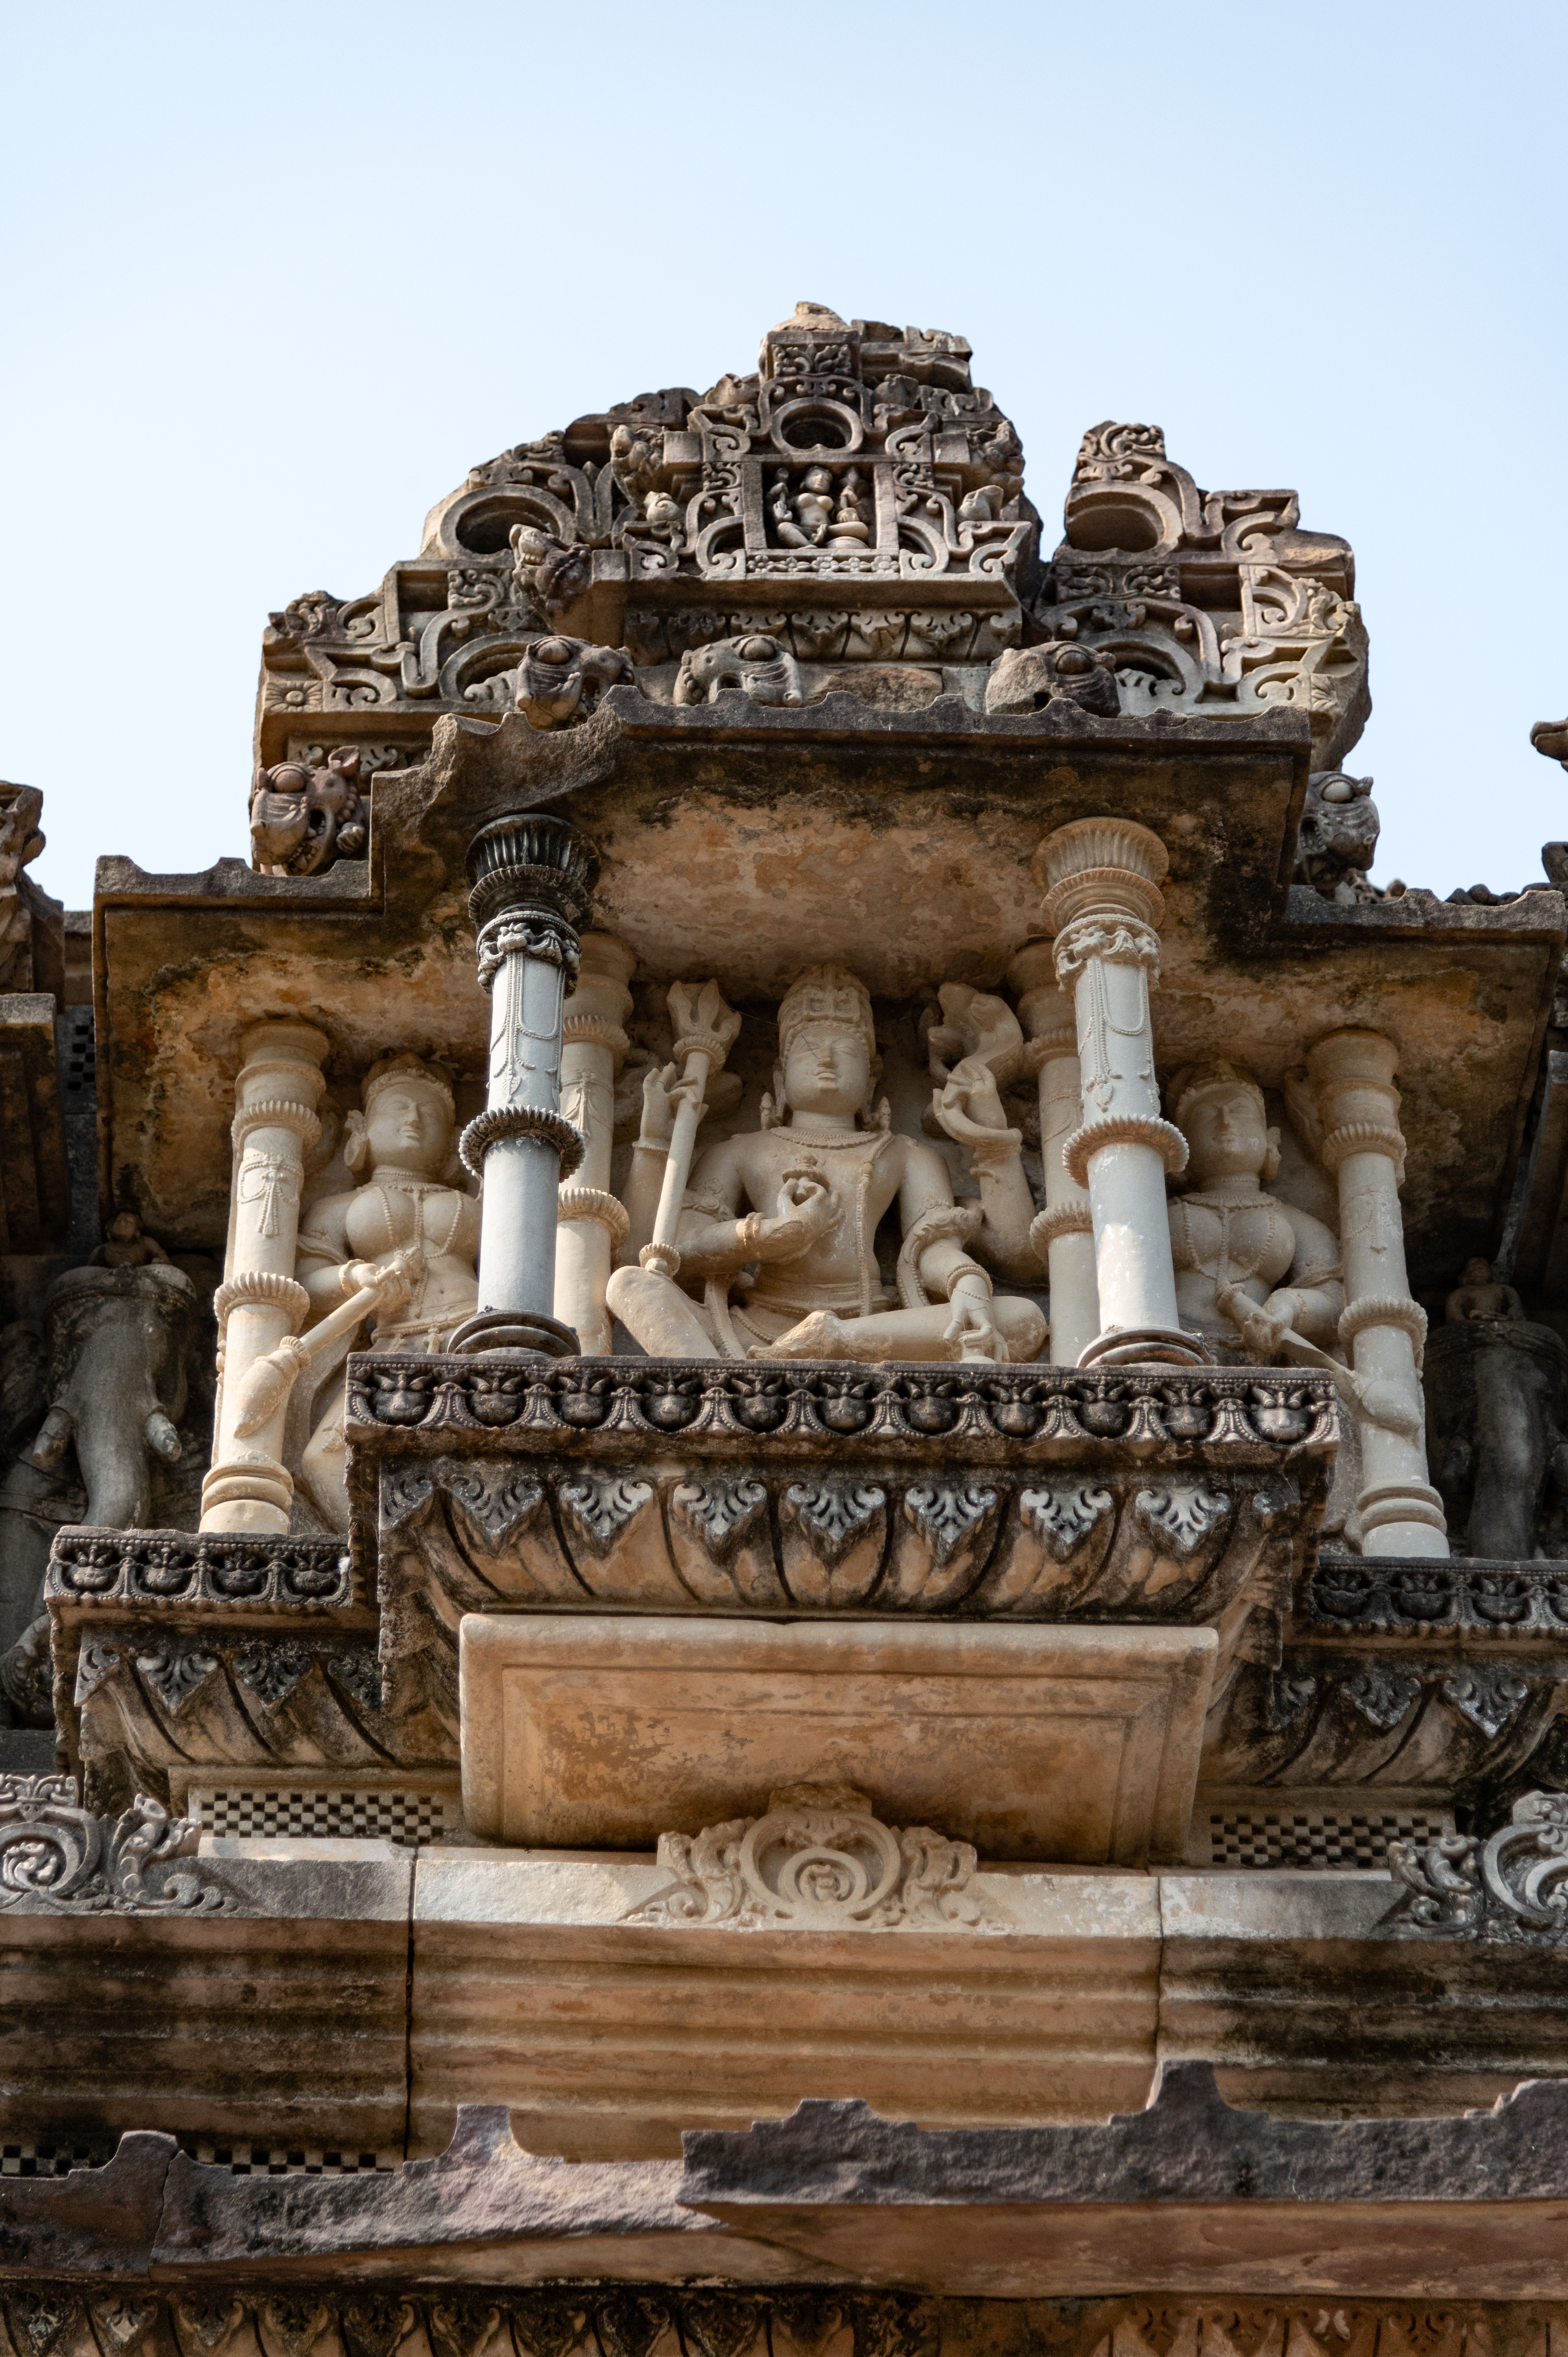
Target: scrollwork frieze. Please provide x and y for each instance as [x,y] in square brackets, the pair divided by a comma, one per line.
[57,1859]
[1512,1886]
[718,1402]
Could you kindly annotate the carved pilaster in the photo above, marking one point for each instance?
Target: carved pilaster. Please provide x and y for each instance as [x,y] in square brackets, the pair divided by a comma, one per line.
[259,1304]
[1351,1078]
[592,1222]
[1063,1233]
[532,878]
[1103,904]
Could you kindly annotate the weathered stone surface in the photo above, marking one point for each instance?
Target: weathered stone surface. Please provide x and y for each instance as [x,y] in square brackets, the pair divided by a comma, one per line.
[94,2221]
[484,2210]
[280,2018]
[1177,2194]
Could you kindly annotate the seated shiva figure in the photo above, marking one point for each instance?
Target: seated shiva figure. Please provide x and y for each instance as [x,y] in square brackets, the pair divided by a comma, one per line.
[786,1215]
[409,1229]
[1247,1267]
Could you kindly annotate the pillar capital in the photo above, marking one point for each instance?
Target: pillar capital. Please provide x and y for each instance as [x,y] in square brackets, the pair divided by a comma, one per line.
[1105,867]
[532,876]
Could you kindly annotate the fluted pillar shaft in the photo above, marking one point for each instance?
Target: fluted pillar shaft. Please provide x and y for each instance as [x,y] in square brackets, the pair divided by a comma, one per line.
[1351,1074]
[1063,1233]
[260,1302]
[1103,904]
[592,1222]
[532,875]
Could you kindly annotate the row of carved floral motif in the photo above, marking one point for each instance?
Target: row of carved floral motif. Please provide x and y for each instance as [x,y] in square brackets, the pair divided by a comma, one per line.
[1499,1600]
[219,2319]
[836,1403]
[170,1668]
[188,1567]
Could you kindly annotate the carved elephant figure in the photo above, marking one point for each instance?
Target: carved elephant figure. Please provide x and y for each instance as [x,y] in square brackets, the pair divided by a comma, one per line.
[119,1345]
[762,668]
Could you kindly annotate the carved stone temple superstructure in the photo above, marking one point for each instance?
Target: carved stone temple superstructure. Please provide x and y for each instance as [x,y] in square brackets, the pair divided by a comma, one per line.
[784,1546]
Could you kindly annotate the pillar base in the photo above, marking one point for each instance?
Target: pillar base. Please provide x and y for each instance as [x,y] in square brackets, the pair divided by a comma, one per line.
[515,1330]
[1403,1519]
[1138,1346]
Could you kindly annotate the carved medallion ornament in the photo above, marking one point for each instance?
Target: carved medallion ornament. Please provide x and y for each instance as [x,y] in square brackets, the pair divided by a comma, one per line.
[819,1861]
[57,1859]
[1512,1886]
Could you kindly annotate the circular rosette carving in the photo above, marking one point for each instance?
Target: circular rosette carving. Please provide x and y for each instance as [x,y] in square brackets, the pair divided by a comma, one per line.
[814,1864]
[49,1851]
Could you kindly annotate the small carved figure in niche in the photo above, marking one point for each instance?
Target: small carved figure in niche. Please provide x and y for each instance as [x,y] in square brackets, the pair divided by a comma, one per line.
[973,1053]
[560,681]
[1249,1268]
[812,504]
[126,1246]
[665,516]
[303,820]
[1478,1295]
[546,574]
[121,1341]
[850,528]
[1497,1395]
[410,1229]
[1337,839]
[786,1215]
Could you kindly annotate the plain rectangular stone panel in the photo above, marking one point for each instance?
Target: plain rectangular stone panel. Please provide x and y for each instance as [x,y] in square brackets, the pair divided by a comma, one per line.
[283,2025]
[1074,1744]
[607,2037]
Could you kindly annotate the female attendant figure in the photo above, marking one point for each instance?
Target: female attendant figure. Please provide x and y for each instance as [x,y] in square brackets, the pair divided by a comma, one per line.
[407,1229]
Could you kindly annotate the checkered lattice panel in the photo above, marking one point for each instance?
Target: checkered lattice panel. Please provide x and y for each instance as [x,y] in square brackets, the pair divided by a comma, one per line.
[50,2160]
[291,2160]
[412,1819]
[1315,1838]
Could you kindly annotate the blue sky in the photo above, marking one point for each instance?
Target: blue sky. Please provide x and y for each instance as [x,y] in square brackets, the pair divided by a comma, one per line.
[275,278]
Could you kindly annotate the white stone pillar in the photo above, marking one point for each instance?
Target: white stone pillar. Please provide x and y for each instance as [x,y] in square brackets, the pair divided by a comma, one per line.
[1352,1075]
[260,1303]
[1063,1233]
[592,1222]
[532,875]
[1103,904]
